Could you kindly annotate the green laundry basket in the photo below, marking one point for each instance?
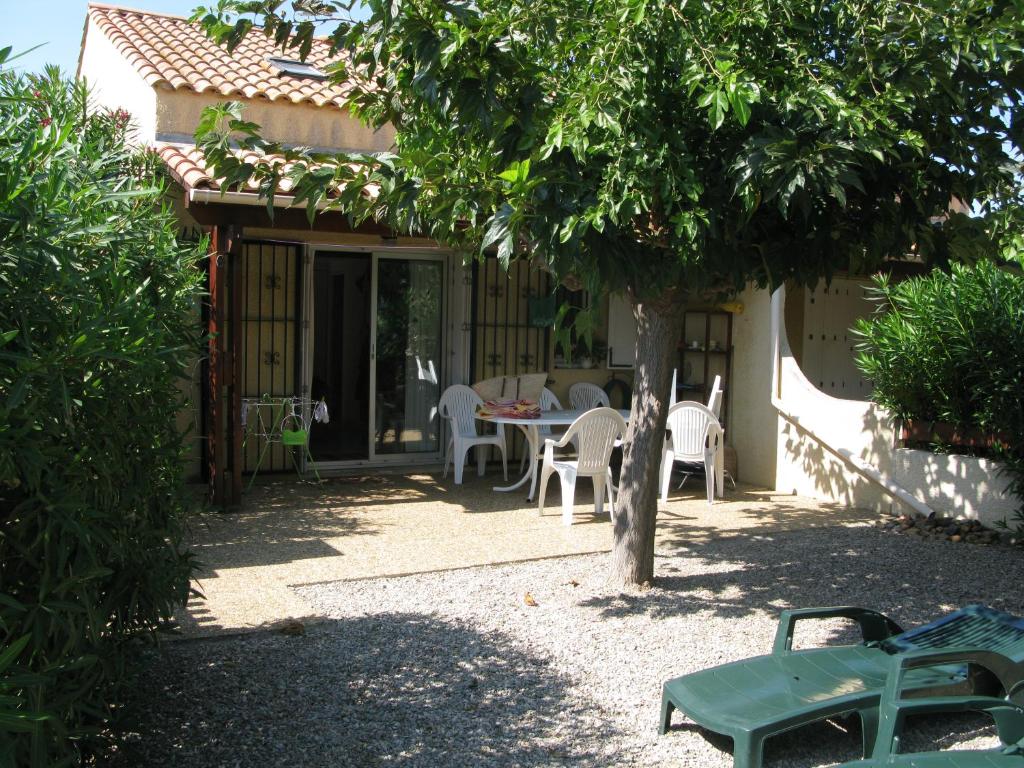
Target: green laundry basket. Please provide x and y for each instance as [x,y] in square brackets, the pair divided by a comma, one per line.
[294,437]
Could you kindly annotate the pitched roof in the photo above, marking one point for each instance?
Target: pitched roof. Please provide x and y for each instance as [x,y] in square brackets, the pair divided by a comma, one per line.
[189,168]
[170,52]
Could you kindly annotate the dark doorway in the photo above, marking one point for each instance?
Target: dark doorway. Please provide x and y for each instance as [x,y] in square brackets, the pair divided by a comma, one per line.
[340,352]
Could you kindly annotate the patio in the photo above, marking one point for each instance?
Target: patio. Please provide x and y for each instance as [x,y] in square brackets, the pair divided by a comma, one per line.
[291,535]
[418,650]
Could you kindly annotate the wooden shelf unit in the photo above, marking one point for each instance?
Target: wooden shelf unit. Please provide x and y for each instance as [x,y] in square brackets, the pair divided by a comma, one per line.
[712,330]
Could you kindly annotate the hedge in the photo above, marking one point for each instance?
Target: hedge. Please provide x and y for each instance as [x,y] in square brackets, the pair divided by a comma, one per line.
[949,347]
[97,319]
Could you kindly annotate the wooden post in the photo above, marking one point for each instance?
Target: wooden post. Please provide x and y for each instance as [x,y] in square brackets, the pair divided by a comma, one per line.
[234,374]
[216,455]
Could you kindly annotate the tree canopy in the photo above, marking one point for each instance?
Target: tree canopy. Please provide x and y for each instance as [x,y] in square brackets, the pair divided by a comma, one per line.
[659,142]
[667,148]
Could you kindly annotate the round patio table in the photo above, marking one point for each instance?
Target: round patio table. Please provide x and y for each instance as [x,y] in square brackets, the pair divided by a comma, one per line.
[531,431]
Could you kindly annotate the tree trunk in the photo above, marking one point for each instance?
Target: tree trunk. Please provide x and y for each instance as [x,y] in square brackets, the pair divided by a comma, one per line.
[636,508]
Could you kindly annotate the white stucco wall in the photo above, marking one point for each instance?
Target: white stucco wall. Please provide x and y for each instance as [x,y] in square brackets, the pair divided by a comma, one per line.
[165,114]
[753,422]
[115,84]
[955,486]
[775,453]
[793,448]
[807,468]
[811,421]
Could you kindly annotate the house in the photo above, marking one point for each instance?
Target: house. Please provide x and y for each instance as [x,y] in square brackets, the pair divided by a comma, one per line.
[376,324]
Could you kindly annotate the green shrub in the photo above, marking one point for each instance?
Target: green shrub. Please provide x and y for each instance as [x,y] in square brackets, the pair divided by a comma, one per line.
[949,347]
[96,321]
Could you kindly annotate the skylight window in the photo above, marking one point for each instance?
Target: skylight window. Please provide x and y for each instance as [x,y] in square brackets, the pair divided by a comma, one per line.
[295,68]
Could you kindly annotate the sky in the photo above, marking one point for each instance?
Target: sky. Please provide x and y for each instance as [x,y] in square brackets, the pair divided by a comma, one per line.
[58,24]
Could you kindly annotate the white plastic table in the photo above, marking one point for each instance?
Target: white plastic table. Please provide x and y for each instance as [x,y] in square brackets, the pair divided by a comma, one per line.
[531,430]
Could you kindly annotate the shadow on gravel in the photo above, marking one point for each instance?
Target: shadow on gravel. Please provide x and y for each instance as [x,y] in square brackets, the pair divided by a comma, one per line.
[747,573]
[389,689]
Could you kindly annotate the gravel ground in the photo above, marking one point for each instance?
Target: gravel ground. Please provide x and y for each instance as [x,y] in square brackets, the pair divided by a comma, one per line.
[457,668]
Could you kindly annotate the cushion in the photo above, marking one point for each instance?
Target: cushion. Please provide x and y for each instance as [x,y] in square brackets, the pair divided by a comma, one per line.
[490,389]
[525,387]
[531,385]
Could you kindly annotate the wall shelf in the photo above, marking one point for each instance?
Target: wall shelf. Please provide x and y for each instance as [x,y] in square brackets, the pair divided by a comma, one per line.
[698,365]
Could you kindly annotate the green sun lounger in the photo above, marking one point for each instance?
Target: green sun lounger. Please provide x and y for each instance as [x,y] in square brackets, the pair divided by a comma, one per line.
[894,708]
[754,699]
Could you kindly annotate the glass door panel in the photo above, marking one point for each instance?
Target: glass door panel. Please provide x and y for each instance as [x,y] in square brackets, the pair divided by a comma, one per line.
[339,348]
[409,327]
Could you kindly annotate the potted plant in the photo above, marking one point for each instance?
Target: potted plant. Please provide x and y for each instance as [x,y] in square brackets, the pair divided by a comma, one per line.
[592,355]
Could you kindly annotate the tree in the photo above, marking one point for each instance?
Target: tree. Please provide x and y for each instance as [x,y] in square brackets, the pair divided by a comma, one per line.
[665,149]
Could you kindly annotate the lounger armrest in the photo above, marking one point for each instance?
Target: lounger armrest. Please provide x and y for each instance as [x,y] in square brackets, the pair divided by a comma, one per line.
[1007,671]
[932,704]
[894,709]
[1007,716]
[874,626]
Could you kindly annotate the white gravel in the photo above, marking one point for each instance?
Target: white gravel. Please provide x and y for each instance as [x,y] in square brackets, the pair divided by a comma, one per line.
[455,669]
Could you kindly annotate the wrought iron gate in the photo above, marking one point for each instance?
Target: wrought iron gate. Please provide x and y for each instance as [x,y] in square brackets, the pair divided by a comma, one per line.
[504,342]
[270,333]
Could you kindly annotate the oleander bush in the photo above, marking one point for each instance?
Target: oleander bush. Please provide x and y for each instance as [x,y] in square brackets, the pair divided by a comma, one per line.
[949,347]
[96,322]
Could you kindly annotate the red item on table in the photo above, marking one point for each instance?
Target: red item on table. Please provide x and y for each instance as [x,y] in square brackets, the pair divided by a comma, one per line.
[509,409]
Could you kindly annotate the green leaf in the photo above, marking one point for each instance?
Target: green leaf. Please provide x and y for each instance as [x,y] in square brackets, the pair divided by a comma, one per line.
[516,173]
[498,228]
[740,105]
[10,654]
[719,107]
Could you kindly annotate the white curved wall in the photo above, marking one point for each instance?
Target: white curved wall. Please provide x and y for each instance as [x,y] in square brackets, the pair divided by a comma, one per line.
[774,453]
[815,426]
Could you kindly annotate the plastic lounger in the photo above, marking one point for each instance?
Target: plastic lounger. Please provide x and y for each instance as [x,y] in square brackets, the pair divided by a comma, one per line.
[763,696]
[950,759]
[1007,713]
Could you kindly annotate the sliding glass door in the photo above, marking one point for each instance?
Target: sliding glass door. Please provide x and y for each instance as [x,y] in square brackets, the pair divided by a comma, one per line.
[408,346]
[375,350]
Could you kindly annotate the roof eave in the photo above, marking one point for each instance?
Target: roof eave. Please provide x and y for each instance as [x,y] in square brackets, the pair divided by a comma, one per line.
[201,195]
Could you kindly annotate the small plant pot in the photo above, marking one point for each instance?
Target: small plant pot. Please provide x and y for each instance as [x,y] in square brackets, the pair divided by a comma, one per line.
[949,434]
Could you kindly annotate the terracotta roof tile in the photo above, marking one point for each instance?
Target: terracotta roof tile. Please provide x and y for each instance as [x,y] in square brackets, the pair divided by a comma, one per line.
[188,167]
[153,43]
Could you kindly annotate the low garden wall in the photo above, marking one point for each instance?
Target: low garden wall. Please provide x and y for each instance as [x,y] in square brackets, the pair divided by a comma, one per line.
[954,485]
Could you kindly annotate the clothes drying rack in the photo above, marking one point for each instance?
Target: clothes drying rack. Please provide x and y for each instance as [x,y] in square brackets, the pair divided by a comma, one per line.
[285,421]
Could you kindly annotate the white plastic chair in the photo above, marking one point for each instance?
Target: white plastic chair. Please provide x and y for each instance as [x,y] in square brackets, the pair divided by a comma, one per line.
[596,433]
[696,437]
[715,398]
[583,396]
[458,404]
[715,404]
[547,402]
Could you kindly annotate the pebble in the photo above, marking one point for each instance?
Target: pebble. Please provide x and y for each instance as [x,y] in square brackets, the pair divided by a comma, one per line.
[454,669]
[955,531]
